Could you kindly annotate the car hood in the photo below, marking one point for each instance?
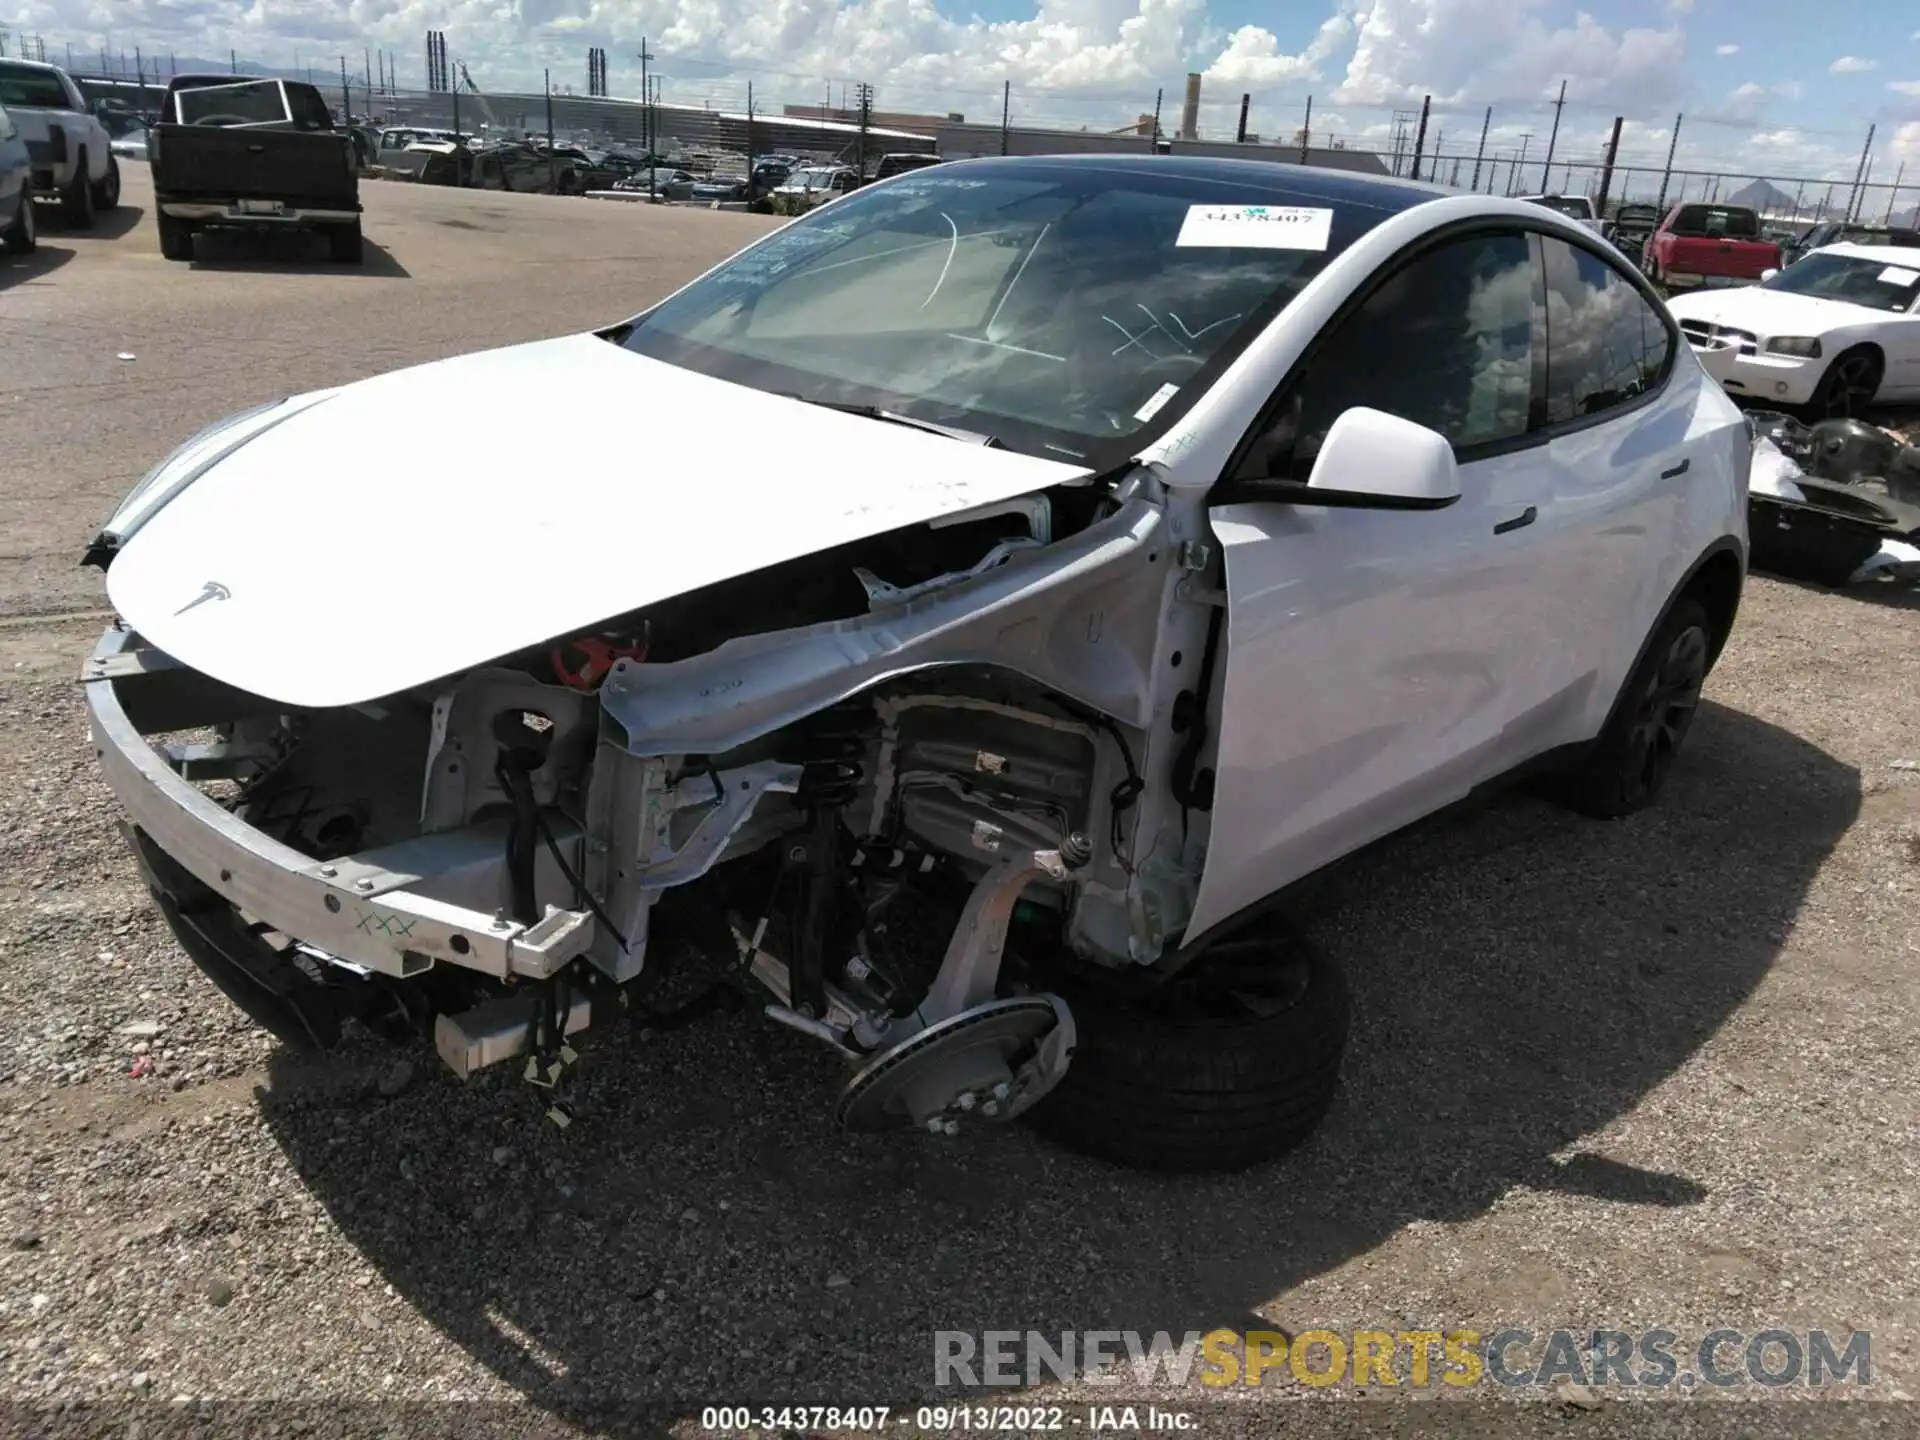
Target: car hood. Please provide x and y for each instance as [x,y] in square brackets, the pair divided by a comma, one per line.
[1769,312]
[362,541]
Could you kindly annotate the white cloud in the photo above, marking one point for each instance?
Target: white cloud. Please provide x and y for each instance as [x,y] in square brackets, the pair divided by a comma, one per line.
[1253,55]
[1726,49]
[1852,65]
[1904,87]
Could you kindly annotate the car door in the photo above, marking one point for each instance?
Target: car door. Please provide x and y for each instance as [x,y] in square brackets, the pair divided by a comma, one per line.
[1618,437]
[1381,663]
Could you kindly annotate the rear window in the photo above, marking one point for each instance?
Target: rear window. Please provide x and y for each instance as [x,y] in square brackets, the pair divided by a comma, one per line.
[32,87]
[1732,221]
[257,102]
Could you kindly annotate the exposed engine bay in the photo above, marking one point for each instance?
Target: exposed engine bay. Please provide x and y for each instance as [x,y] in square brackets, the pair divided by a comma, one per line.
[848,778]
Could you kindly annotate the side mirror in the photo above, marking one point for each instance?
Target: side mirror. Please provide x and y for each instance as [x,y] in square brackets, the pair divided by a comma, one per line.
[1768,274]
[1373,459]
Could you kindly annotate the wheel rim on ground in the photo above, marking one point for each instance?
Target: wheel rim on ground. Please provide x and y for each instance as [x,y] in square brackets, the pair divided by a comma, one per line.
[1852,387]
[1665,711]
[111,189]
[26,219]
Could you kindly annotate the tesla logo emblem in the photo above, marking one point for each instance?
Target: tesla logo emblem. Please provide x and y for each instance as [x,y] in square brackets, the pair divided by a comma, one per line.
[212,590]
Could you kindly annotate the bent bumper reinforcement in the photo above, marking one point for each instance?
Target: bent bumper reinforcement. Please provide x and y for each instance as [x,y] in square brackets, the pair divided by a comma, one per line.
[377,909]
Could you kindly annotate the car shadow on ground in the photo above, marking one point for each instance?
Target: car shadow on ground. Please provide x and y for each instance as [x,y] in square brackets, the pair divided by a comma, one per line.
[703,1232]
[288,254]
[111,225]
[24,269]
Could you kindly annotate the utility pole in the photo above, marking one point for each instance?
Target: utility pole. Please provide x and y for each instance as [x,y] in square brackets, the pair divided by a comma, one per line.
[750,141]
[1799,193]
[233,67]
[864,92]
[1420,139]
[1853,197]
[1673,146]
[1480,154]
[1158,96]
[1513,170]
[1860,200]
[1553,137]
[1606,170]
[548,82]
[646,116]
[346,98]
[1006,110]
[1893,195]
[1306,130]
[1240,136]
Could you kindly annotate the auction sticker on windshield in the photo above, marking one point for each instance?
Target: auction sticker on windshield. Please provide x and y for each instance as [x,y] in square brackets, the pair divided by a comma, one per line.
[1257,227]
[1894,275]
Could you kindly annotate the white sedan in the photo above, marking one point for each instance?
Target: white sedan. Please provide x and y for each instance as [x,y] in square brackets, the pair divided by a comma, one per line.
[1836,331]
[1093,547]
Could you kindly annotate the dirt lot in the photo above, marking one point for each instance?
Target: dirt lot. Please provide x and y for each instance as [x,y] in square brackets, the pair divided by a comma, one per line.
[1662,1073]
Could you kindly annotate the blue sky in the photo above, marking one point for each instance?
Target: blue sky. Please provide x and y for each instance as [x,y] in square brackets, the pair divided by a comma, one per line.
[1792,95]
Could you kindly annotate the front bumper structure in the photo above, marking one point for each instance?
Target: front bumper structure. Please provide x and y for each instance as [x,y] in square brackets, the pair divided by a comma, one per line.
[396,910]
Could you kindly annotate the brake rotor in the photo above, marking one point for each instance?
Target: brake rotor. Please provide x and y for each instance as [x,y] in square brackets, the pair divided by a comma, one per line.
[963,1067]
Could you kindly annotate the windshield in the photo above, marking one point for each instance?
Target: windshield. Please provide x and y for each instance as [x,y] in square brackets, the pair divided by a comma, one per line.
[1577,209]
[1731,221]
[1852,278]
[1064,309]
[32,88]
[811,179]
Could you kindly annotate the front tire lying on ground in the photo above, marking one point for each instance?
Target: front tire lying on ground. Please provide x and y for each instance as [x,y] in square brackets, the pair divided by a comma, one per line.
[1629,763]
[1230,1063]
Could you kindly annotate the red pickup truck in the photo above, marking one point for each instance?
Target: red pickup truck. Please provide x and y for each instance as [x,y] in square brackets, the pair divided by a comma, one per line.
[1709,245]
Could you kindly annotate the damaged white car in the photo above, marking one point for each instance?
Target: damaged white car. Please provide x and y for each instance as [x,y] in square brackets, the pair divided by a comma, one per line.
[1106,545]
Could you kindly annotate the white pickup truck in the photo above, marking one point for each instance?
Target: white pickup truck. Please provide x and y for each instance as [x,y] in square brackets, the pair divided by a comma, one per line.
[67,145]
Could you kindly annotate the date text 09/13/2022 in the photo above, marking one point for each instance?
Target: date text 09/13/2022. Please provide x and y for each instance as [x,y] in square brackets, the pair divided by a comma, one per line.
[945,1419]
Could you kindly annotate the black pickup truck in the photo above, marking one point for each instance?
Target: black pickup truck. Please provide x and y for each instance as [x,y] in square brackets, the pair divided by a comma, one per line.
[255,155]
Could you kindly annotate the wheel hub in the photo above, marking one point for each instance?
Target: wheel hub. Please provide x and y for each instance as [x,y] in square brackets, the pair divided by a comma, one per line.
[989,1063]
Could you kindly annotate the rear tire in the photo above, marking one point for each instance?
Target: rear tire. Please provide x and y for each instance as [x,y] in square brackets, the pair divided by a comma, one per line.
[106,195]
[22,237]
[76,201]
[345,244]
[1230,1064]
[176,238]
[1629,763]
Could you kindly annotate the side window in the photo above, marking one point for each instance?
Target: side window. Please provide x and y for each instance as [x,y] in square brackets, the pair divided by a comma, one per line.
[1605,343]
[1446,341]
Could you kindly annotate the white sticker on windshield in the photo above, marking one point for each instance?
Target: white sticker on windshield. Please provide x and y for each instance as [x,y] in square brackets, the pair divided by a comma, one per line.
[1894,275]
[1154,401]
[1257,227]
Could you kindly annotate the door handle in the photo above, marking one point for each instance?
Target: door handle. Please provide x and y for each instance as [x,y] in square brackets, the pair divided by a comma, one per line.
[1676,472]
[1524,518]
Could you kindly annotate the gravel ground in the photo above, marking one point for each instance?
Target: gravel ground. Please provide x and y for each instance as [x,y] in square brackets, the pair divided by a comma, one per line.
[1661,1073]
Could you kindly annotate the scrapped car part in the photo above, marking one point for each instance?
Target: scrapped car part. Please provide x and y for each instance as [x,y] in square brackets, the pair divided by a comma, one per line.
[1825,522]
[1102,587]
[1849,451]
